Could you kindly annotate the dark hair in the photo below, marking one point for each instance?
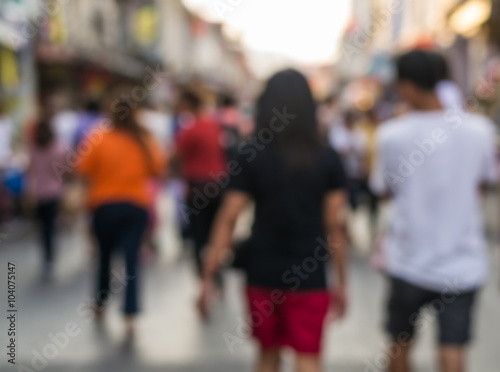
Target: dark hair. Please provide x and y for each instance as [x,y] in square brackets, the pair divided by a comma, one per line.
[129,123]
[350,116]
[191,99]
[441,67]
[331,98]
[288,92]
[226,100]
[44,135]
[93,106]
[421,68]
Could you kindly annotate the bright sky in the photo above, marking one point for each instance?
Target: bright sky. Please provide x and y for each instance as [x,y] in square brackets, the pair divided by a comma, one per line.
[307,31]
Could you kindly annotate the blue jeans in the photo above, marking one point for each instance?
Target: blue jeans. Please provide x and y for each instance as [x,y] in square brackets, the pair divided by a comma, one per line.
[122,226]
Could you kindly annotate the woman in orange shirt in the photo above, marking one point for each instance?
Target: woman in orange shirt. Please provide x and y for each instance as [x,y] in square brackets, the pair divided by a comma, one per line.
[118,159]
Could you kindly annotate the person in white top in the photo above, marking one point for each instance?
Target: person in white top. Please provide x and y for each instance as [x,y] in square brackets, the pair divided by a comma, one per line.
[433,165]
[65,125]
[349,142]
[6,133]
[6,157]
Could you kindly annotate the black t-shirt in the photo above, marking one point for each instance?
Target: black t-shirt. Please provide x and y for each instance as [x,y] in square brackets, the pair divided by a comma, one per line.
[287,248]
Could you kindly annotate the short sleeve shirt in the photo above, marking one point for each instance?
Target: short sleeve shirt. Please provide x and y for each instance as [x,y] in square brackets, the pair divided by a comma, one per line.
[287,246]
[433,163]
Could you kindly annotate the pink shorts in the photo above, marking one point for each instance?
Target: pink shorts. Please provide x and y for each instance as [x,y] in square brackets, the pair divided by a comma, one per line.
[288,318]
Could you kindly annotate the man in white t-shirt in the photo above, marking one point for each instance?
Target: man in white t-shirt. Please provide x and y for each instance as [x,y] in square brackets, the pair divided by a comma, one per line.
[433,165]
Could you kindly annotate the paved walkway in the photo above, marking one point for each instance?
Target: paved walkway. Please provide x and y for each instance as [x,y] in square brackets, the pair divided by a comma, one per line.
[171,337]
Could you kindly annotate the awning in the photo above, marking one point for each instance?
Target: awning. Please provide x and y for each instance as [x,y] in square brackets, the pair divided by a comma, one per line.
[112,61]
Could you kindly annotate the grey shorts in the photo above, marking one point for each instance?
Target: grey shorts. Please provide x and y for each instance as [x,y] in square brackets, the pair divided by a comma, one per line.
[454,312]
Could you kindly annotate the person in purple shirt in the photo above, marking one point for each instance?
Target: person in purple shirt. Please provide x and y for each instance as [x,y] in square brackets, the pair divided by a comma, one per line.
[87,120]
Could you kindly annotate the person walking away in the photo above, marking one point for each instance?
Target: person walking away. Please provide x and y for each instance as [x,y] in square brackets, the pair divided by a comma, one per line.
[347,140]
[203,161]
[87,119]
[229,119]
[177,186]
[45,187]
[298,186]
[157,123]
[329,114]
[6,135]
[65,119]
[117,171]
[368,128]
[433,169]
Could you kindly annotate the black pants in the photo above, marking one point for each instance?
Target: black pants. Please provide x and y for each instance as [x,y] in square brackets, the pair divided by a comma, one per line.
[46,212]
[354,191]
[232,137]
[203,211]
[373,202]
[119,225]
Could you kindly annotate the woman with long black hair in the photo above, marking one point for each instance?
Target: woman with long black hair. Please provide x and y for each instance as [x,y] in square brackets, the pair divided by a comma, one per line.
[297,184]
[121,159]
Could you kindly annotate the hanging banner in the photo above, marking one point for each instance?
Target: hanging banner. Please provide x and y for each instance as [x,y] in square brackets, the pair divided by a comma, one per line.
[9,76]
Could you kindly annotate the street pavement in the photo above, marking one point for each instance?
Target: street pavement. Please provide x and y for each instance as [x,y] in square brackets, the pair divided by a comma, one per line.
[171,337]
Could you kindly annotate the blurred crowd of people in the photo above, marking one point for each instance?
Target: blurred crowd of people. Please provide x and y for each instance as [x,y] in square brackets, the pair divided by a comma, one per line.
[302,166]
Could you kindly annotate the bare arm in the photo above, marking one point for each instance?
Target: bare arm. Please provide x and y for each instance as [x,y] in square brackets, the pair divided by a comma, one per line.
[335,210]
[219,244]
[335,224]
[220,240]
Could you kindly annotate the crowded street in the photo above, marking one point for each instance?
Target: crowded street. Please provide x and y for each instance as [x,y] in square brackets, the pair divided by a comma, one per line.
[255,186]
[173,338]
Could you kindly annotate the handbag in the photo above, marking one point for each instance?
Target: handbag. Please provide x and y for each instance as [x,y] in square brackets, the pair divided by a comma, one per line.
[242,255]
